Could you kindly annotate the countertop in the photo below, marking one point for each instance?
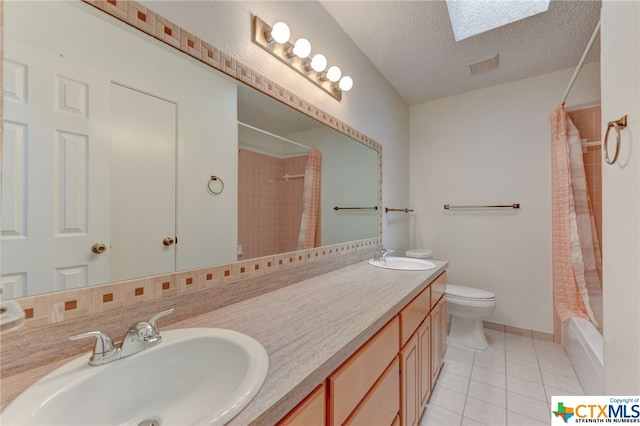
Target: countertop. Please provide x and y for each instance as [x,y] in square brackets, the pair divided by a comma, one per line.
[310,328]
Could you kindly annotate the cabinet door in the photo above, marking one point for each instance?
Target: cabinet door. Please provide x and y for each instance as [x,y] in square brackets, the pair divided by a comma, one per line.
[349,384]
[409,392]
[424,349]
[310,412]
[438,338]
[413,314]
[382,403]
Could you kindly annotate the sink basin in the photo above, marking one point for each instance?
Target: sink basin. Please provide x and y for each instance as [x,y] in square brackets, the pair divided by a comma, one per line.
[195,376]
[403,264]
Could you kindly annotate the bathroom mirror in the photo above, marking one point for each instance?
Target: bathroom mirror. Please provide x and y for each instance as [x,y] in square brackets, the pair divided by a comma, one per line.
[141,165]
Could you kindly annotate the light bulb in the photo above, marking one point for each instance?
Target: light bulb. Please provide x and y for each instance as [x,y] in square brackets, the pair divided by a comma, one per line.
[302,48]
[333,73]
[280,32]
[318,62]
[346,83]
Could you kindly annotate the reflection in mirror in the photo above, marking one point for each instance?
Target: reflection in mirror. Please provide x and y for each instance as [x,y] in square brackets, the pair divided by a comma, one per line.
[273,154]
[102,186]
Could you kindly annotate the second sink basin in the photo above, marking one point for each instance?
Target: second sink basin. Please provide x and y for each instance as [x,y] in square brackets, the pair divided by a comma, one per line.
[195,376]
[403,264]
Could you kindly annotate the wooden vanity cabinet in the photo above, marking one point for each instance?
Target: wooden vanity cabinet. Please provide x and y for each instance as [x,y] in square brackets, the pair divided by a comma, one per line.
[388,381]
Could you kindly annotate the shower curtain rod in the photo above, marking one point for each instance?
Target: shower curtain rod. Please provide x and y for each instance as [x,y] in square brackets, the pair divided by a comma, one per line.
[581,63]
[273,135]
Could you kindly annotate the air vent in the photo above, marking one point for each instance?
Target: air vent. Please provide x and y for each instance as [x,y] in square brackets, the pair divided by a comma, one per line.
[484,65]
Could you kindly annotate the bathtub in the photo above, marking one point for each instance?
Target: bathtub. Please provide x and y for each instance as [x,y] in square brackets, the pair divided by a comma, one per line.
[584,345]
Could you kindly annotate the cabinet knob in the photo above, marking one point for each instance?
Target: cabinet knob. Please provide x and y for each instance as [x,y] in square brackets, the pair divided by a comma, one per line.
[168,241]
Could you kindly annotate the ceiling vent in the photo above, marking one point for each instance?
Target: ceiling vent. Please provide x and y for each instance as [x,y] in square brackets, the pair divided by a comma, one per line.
[484,65]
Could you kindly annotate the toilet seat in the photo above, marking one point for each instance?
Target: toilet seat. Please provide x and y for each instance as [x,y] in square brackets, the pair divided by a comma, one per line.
[459,292]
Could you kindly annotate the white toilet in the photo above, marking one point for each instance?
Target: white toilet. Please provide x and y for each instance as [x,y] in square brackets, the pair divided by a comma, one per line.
[467,306]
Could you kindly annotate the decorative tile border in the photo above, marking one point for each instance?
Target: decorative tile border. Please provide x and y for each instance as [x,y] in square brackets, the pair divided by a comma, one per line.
[48,309]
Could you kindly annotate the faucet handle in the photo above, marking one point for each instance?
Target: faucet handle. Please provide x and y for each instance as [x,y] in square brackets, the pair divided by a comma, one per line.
[156,317]
[103,346]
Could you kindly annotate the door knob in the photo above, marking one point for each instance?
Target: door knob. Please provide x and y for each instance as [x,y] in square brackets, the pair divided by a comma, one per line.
[98,248]
[168,241]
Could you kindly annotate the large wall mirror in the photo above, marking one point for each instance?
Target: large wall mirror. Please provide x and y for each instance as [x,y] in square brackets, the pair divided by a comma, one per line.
[124,158]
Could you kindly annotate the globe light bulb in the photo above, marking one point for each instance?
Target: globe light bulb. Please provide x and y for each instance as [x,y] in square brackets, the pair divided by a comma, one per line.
[280,32]
[302,48]
[318,62]
[333,73]
[346,83]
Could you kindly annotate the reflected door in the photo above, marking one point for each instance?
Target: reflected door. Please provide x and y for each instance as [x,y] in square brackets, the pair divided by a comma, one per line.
[143,184]
[55,139]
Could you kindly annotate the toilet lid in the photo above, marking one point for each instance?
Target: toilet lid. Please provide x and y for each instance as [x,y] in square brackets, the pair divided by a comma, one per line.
[419,253]
[461,292]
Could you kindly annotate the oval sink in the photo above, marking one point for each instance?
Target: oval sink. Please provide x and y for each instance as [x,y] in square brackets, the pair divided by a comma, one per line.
[403,264]
[195,376]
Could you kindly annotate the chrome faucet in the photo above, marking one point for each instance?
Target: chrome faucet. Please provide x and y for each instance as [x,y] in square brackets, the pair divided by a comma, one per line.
[140,336]
[382,254]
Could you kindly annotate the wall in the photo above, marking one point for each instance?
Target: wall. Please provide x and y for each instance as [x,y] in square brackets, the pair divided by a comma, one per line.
[371,107]
[620,59]
[492,146]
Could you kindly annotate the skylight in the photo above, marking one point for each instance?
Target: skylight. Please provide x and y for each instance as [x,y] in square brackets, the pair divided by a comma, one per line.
[472,17]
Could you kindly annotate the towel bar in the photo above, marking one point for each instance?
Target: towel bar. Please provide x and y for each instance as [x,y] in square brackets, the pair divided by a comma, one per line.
[501,206]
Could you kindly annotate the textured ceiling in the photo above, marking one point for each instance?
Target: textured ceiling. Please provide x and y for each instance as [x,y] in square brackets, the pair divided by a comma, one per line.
[412,45]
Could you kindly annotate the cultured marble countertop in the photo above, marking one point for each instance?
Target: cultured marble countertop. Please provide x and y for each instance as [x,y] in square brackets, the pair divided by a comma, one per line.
[310,328]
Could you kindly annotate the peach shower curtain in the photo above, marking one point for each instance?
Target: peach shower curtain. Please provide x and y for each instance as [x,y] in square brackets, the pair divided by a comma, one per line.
[576,252]
[309,236]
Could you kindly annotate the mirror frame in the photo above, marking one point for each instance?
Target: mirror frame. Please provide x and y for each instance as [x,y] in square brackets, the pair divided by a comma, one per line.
[46,309]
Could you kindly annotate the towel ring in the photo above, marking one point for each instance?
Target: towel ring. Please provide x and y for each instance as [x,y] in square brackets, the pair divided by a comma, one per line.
[618,124]
[215,179]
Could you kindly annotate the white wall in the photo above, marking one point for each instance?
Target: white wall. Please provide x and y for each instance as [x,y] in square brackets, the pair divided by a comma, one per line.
[371,107]
[492,146]
[620,60]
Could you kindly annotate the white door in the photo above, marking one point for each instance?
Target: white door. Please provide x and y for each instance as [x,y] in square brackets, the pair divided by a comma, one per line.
[143,192]
[55,172]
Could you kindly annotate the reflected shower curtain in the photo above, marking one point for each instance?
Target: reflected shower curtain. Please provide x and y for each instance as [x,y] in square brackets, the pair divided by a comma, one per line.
[309,236]
[576,252]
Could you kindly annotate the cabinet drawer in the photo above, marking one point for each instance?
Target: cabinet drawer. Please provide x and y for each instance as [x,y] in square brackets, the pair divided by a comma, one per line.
[438,288]
[414,313]
[311,411]
[382,404]
[351,382]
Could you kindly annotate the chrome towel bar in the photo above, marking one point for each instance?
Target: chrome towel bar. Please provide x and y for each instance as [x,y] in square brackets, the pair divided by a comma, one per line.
[501,206]
[336,208]
[387,210]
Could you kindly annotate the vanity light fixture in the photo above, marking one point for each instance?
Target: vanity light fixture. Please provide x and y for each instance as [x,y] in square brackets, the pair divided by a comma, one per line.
[276,40]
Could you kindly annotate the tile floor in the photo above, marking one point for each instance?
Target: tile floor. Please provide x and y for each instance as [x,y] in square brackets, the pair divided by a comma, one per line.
[511,383]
